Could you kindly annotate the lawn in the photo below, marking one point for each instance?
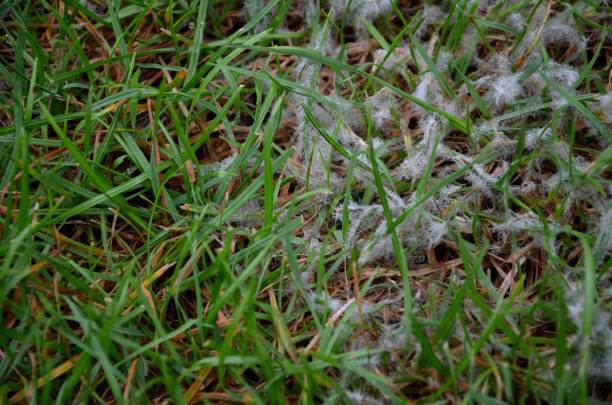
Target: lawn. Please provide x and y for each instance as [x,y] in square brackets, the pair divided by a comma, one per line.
[338,201]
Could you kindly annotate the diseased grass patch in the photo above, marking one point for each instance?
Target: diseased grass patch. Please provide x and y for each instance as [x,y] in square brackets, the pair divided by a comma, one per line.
[356,202]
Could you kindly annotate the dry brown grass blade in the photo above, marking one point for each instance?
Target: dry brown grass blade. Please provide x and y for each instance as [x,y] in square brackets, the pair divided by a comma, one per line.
[284,337]
[149,297]
[357,292]
[148,281]
[130,376]
[158,162]
[56,372]
[331,321]
[534,41]
[190,394]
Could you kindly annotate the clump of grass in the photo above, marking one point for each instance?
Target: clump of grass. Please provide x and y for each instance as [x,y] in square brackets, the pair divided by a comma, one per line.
[334,202]
[360,10]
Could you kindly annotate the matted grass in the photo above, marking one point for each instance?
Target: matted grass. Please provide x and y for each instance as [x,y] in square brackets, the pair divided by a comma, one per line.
[367,201]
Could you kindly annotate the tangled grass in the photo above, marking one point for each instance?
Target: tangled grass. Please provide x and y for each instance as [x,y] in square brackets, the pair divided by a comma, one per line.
[367,201]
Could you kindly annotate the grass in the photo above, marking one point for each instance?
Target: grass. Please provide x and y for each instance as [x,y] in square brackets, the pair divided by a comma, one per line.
[305,202]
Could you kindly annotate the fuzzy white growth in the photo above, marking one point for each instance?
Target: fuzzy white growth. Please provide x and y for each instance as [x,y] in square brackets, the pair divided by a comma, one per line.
[486,129]
[393,62]
[437,230]
[382,102]
[536,21]
[415,163]
[516,21]
[312,249]
[417,231]
[601,356]
[377,143]
[519,222]
[396,203]
[499,81]
[426,90]
[379,247]
[603,241]
[478,177]
[536,135]
[563,75]
[430,15]
[218,166]
[430,127]
[305,71]
[605,102]
[359,398]
[430,91]
[573,190]
[525,188]
[411,168]
[372,9]
[600,339]
[324,302]
[443,60]
[315,152]
[570,166]
[484,6]
[444,200]
[562,29]
[504,145]
[528,222]
[352,141]
[252,7]
[249,214]
[393,337]
[502,90]
[479,183]
[579,164]
[360,10]
[360,216]
[349,139]
[311,12]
